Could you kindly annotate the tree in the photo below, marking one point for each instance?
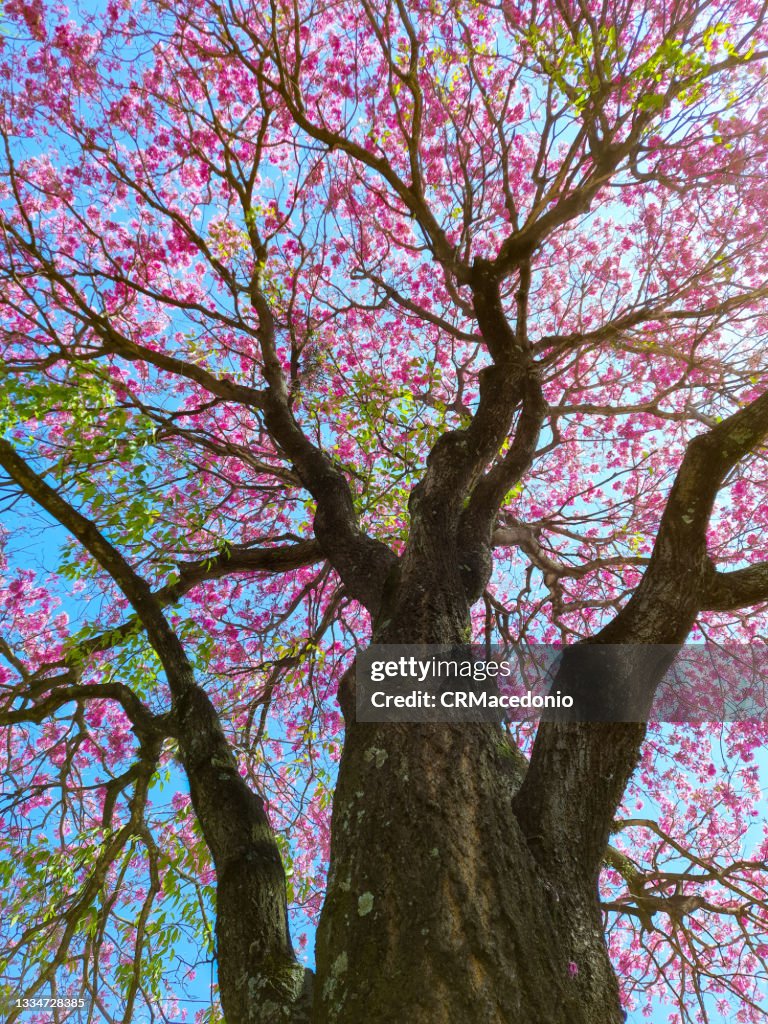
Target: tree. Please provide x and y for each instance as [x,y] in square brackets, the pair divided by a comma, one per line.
[331,324]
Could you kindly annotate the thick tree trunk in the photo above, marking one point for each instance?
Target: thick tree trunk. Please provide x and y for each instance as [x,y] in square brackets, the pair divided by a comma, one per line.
[440,908]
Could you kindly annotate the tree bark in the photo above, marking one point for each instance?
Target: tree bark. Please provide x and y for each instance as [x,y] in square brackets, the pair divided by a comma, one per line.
[440,908]
[260,981]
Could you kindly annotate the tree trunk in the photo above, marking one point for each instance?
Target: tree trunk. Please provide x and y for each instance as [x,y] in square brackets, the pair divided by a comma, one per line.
[440,908]
[260,981]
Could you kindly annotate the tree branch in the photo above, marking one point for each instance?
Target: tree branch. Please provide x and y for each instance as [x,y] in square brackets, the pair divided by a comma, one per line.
[579,769]
[362,562]
[232,817]
[728,591]
[144,723]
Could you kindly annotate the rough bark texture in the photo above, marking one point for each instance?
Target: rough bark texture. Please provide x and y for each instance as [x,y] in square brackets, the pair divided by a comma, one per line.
[440,907]
[259,979]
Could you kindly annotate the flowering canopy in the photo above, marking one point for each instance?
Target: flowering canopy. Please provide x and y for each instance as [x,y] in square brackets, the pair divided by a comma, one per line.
[241,253]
